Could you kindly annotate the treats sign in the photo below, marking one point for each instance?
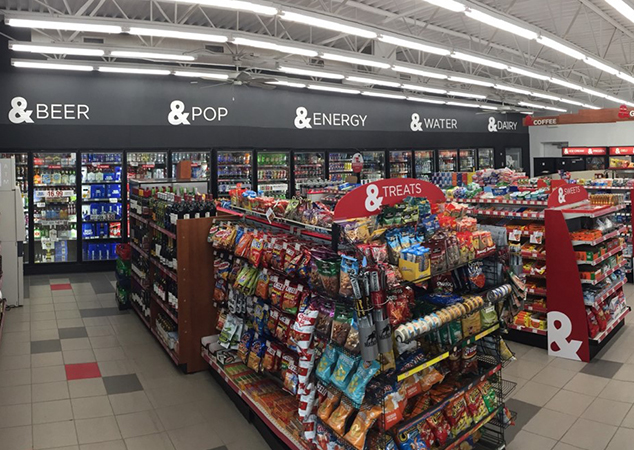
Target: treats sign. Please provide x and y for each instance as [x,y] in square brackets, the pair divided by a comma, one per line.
[567,195]
[368,199]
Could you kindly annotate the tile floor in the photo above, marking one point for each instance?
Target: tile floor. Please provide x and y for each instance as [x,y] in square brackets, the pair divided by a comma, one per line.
[76,373]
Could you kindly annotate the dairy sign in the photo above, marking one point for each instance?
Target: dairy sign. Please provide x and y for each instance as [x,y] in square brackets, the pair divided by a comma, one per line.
[368,199]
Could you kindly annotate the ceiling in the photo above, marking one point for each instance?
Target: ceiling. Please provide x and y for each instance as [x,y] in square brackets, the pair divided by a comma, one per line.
[592,26]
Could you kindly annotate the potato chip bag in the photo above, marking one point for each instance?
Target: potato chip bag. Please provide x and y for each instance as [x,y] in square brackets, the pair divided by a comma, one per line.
[362,423]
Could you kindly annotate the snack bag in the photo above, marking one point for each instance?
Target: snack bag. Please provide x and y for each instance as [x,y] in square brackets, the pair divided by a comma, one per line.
[257,247]
[593,325]
[349,268]
[337,420]
[366,417]
[422,404]
[457,416]
[245,345]
[488,317]
[476,405]
[469,360]
[269,363]
[329,404]
[290,299]
[356,388]
[471,324]
[327,364]
[440,428]
[255,356]
[289,374]
[352,344]
[341,325]
[488,395]
[302,331]
[325,318]
[262,285]
[344,371]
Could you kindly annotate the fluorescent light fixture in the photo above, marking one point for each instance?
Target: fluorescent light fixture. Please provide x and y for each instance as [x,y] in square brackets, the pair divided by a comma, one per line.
[512,89]
[273,46]
[426,100]
[478,60]
[622,8]
[414,45]
[373,81]
[626,77]
[527,73]
[531,105]
[466,95]
[327,24]
[151,55]
[451,5]
[287,84]
[466,105]
[591,106]
[594,93]
[615,100]
[493,108]
[470,81]
[599,65]
[214,76]
[311,73]
[132,70]
[552,108]
[319,87]
[62,25]
[56,50]
[421,73]
[570,102]
[501,24]
[528,113]
[353,60]
[545,96]
[41,65]
[170,34]
[414,87]
[566,84]
[562,48]
[384,95]
[238,5]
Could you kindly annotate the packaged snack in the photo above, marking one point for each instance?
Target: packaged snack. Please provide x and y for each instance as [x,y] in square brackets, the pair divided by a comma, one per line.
[440,428]
[307,401]
[455,413]
[352,344]
[325,318]
[262,285]
[476,405]
[244,244]
[488,317]
[469,360]
[277,288]
[329,404]
[302,331]
[471,324]
[601,320]
[366,417]
[329,275]
[422,404]
[426,435]
[257,353]
[488,395]
[349,268]
[593,325]
[245,345]
[291,297]
[431,378]
[392,409]
[337,420]
[269,363]
[398,311]
[274,316]
[283,328]
[344,371]
[356,388]
[257,246]
[289,373]
[357,230]
[327,363]
[341,324]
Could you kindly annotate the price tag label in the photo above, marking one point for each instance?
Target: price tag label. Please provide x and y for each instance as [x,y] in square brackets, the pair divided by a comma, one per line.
[270,214]
[515,235]
[114,200]
[536,237]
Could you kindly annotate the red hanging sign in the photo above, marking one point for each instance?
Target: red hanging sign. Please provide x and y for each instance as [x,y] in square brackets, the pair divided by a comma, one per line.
[621,150]
[567,194]
[367,200]
[583,151]
[357,163]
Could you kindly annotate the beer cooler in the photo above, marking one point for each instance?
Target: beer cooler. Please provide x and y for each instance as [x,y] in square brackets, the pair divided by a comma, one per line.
[200,163]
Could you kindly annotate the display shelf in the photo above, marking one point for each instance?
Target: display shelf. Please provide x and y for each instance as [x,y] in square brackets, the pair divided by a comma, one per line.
[610,235]
[538,292]
[162,304]
[467,341]
[600,259]
[611,326]
[592,213]
[140,314]
[138,217]
[139,249]
[161,229]
[137,279]
[608,293]
[169,272]
[611,188]
[605,274]
[510,214]
[88,183]
[101,221]
[534,275]
[539,256]
[101,200]
[535,308]
[513,326]
[102,239]
[502,201]
[172,354]
[290,441]
[467,433]
[53,185]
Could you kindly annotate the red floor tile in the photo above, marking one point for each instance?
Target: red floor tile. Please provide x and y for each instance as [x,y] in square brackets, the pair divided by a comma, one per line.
[82,371]
[61,287]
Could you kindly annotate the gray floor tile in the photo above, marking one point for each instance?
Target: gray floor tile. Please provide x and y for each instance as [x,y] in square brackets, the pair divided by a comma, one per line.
[525,412]
[101,312]
[27,290]
[224,447]
[38,281]
[122,384]
[49,346]
[72,333]
[601,368]
[102,287]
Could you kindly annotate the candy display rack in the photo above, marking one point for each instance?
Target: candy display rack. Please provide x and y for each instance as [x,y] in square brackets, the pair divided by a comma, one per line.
[257,390]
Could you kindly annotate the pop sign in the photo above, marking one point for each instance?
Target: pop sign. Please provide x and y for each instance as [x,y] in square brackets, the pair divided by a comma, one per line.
[367,200]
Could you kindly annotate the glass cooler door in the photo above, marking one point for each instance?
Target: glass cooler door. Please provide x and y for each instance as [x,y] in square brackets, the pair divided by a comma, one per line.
[199,160]
[400,164]
[22,177]
[101,205]
[308,166]
[485,158]
[234,167]
[595,163]
[339,165]
[425,164]
[147,165]
[467,160]
[447,160]
[373,166]
[54,207]
[273,173]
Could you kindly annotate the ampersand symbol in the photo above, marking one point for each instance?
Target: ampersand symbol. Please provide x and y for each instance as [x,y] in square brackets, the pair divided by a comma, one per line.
[493,128]
[561,196]
[177,115]
[416,124]
[373,201]
[18,113]
[559,329]
[302,120]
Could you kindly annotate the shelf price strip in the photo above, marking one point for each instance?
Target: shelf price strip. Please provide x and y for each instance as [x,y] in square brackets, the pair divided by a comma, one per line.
[600,259]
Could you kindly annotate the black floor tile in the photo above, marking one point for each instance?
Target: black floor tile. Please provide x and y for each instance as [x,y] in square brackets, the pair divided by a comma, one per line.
[72,333]
[48,346]
[122,384]
[78,278]
[600,368]
[525,412]
[101,312]
[39,281]
[102,287]
[224,447]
